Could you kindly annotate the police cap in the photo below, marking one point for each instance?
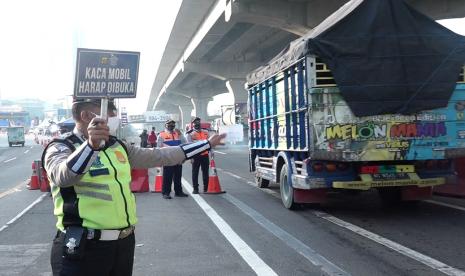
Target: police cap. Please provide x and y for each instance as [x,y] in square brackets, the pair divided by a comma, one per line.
[95,101]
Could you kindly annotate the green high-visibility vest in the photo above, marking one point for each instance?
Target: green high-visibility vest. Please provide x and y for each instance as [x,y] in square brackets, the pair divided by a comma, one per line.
[102,199]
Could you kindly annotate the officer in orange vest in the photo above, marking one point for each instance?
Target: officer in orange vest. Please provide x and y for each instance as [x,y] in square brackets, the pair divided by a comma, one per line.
[169,138]
[202,160]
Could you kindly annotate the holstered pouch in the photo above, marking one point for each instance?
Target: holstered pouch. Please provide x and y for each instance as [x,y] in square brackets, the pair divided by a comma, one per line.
[75,242]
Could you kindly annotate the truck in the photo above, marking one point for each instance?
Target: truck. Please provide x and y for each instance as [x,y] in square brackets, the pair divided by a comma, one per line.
[15,135]
[360,104]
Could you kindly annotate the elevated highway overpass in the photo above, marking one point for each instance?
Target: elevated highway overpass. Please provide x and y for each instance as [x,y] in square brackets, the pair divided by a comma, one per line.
[215,43]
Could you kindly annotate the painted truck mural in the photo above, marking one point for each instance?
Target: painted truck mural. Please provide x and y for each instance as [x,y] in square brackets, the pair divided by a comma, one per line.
[396,128]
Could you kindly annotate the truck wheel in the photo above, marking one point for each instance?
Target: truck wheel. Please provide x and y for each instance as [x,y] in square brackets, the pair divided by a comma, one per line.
[287,192]
[262,183]
[9,144]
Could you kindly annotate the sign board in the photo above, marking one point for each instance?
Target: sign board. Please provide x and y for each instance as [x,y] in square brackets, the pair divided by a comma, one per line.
[105,73]
[235,133]
[124,118]
[159,116]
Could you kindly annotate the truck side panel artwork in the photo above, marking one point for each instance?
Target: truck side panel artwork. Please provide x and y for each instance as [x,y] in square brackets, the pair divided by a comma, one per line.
[311,131]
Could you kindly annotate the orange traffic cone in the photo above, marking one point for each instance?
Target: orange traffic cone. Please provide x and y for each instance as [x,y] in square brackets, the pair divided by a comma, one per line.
[34,183]
[158,181]
[213,181]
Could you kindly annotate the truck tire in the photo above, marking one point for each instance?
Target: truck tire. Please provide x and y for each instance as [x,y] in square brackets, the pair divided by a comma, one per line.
[9,144]
[262,183]
[287,192]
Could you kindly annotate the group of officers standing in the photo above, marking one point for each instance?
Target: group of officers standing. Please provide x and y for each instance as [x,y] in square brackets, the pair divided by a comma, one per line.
[173,174]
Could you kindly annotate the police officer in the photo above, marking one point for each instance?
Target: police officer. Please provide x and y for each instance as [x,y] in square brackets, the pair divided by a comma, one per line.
[95,209]
[168,138]
[194,135]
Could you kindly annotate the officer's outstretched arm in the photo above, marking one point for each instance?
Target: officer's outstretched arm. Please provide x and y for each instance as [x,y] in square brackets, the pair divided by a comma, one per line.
[168,156]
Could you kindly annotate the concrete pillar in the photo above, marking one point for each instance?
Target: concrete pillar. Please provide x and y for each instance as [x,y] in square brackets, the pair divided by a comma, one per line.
[185,111]
[200,107]
[236,87]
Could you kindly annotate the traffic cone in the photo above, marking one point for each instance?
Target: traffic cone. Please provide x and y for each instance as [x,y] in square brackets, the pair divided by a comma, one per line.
[158,181]
[34,183]
[213,181]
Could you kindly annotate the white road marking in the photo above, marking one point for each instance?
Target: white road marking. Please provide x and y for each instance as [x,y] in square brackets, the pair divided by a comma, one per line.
[26,151]
[32,147]
[24,211]
[445,205]
[307,252]
[433,263]
[16,259]
[268,191]
[249,256]
[220,152]
[17,188]
[11,159]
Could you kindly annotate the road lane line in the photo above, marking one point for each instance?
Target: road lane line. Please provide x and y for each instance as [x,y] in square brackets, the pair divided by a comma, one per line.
[220,152]
[11,159]
[14,189]
[307,252]
[23,211]
[445,204]
[26,151]
[249,256]
[268,191]
[433,263]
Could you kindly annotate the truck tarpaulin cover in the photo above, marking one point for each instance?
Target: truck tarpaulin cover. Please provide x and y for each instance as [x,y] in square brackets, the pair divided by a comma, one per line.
[385,57]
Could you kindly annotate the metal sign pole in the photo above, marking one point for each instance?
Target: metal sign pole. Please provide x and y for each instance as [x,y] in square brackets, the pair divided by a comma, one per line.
[103,114]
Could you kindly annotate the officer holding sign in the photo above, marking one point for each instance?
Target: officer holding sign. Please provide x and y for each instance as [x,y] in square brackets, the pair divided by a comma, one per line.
[90,171]
[95,209]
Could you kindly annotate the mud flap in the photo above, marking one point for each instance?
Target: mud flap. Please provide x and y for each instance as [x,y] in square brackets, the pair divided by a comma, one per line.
[310,196]
[412,193]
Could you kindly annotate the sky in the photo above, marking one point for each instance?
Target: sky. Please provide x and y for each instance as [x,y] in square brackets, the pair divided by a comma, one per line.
[38,41]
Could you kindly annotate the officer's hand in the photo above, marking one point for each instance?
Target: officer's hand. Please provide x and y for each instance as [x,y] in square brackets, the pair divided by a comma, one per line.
[98,131]
[217,139]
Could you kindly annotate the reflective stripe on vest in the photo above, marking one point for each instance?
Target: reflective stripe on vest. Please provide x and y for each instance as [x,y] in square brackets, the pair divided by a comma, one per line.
[105,200]
[170,139]
[199,136]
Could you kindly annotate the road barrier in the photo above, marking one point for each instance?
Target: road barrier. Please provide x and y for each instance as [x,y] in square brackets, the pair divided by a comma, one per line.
[140,180]
[44,183]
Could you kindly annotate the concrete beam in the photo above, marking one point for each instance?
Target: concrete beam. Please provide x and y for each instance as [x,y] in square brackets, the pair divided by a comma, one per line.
[284,15]
[221,70]
[200,107]
[236,87]
[440,9]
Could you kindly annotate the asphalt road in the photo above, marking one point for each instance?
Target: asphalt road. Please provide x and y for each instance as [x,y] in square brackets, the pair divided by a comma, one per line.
[247,231]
